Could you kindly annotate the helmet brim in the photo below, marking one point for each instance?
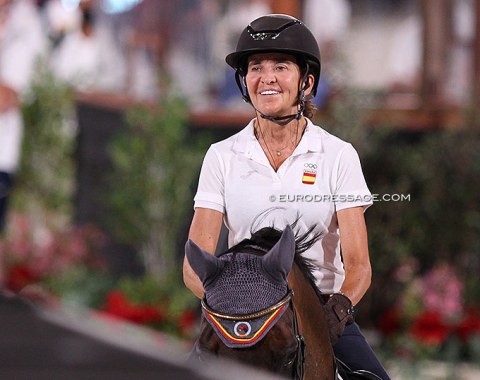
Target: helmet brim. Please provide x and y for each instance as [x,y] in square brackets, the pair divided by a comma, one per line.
[238,60]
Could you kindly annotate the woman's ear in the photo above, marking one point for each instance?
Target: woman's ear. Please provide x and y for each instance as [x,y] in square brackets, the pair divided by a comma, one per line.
[308,86]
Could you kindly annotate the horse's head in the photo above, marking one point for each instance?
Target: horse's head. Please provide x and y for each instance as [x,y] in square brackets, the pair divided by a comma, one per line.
[246,304]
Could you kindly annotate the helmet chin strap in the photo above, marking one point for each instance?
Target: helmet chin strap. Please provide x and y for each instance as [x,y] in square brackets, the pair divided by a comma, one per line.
[280,120]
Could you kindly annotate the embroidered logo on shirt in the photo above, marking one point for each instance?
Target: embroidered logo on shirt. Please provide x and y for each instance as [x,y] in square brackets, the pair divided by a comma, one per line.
[309,173]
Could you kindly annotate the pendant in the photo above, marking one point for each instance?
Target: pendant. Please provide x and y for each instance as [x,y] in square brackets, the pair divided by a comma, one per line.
[279,153]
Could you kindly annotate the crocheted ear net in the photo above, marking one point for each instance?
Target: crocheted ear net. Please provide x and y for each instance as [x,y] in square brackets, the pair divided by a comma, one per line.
[243,287]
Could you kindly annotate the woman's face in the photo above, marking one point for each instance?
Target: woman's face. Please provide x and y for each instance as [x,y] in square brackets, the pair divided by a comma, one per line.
[272,81]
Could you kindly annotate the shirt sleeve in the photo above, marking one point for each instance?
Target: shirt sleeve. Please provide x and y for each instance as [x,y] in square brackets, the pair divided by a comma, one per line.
[211,185]
[351,189]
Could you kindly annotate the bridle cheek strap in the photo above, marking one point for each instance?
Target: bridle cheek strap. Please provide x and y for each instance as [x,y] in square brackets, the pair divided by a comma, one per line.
[242,331]
[299,368]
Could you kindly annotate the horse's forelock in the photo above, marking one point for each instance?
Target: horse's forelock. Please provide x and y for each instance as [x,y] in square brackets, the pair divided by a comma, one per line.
[268,237]
[259,243]
[265,238]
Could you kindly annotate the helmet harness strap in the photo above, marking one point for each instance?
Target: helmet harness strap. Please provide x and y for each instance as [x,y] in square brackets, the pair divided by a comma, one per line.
[281,120]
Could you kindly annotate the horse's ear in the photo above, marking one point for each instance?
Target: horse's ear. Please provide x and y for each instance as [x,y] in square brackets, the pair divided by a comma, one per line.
[203,263]
[279,260]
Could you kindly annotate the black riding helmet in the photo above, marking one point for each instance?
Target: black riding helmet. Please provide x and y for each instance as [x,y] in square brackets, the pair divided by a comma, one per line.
[277,33]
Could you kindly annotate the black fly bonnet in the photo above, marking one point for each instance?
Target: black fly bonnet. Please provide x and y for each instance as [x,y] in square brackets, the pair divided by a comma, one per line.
[246,293]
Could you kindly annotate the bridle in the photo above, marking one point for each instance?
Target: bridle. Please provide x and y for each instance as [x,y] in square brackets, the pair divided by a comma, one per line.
[271,315]
[299,360]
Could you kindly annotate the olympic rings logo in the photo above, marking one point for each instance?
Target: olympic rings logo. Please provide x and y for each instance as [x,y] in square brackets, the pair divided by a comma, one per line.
[310,166]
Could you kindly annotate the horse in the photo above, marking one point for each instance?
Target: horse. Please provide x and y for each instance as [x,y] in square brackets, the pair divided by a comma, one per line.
[263,308]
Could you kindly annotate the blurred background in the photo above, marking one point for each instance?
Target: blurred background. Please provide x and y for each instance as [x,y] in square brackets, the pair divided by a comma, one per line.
[108,106]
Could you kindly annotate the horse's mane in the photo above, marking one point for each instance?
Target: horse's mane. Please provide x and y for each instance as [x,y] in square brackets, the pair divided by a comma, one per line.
[264,239]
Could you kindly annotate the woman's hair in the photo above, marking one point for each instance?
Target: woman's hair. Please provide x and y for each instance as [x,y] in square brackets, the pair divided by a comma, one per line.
[310,107]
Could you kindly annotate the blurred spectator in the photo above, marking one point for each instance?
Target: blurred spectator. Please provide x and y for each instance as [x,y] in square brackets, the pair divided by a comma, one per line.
[146,37]
[405,57]
[458,84]
[225,37]
[87,57]
[21,42]
[329,21]
[59,20]
[191,48]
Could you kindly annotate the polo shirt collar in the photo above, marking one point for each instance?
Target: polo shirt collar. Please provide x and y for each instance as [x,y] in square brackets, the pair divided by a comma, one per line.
[311,140]
[246,142]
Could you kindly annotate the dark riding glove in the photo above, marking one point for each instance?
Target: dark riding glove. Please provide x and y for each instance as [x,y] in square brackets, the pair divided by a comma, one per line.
[338,313]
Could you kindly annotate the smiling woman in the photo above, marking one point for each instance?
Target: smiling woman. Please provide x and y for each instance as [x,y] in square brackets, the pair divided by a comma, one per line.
[277,69]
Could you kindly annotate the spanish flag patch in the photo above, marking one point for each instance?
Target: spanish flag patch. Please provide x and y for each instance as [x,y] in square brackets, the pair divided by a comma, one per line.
[309,178]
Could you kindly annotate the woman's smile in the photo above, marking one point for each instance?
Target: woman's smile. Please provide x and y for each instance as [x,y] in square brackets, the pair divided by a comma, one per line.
[269,92]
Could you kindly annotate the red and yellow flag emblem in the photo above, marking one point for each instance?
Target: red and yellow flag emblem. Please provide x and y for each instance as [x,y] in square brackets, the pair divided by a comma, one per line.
[309,178]
[309,174]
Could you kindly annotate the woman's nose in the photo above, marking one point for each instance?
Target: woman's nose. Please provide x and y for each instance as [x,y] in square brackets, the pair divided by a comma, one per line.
[268,78]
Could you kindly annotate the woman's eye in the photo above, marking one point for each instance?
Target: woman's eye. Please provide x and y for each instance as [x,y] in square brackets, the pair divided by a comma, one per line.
[255,68]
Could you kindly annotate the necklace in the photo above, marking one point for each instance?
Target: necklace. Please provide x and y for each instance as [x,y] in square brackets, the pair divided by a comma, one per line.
[291,140]
[278,152]
[266,145]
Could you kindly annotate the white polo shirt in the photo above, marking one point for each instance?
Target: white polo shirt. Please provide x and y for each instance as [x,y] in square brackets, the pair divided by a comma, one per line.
[322,176]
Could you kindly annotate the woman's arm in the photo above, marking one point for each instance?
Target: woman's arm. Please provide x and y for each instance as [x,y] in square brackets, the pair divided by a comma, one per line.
[356,260]
[204,231]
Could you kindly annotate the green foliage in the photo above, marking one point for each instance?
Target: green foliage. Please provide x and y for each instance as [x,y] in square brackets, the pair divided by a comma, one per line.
[169,292]
[156,163]
[81,285]
[45,178]
[440,171]
[347,118]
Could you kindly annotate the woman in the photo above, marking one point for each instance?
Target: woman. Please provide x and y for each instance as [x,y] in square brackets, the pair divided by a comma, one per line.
[283,166]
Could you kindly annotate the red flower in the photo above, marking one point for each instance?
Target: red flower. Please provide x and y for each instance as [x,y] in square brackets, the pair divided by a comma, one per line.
[389,322]
[20,276]
[117,304]
[469,326]
[187,321]
[428,328]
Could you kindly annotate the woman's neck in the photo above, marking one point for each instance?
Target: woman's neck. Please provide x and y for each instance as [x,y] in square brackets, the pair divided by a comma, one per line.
[279,141]
[278,133]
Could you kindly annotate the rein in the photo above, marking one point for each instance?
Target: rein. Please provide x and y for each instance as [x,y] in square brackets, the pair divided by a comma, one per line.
[299,360]
[215,318]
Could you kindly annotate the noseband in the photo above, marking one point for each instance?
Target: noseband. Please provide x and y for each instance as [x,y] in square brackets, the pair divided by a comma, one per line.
[245,330]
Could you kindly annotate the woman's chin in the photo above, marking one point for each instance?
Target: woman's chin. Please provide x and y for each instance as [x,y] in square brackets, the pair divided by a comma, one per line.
[274,112]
